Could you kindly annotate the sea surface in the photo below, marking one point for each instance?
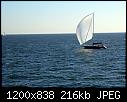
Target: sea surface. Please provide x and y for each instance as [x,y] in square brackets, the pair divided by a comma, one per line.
[57,60]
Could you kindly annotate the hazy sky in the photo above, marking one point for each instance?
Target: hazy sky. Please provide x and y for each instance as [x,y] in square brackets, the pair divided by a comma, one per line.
[61,16]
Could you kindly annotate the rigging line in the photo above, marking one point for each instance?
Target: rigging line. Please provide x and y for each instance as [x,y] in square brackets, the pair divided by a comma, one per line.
[93,22]
[88,29]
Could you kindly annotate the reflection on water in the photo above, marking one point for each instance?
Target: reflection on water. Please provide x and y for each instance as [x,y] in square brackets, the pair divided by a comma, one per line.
[82,50]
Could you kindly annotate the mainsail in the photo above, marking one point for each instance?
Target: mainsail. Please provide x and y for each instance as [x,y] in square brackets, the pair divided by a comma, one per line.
[85,29]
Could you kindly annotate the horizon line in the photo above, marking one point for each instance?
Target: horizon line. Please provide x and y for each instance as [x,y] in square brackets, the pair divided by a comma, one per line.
[55,33]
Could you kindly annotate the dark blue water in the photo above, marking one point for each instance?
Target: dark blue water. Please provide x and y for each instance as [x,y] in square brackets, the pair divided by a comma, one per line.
[59,61]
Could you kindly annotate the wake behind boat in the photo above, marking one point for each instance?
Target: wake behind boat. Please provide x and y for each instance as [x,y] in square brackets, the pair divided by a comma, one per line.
[85,31]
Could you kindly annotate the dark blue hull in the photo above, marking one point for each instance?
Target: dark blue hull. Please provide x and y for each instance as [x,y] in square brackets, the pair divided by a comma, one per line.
[94,47]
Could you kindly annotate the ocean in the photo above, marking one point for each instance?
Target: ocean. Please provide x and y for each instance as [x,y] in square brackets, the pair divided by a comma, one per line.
[57,60]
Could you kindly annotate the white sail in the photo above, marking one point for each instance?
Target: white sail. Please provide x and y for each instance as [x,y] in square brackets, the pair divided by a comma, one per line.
[85,29]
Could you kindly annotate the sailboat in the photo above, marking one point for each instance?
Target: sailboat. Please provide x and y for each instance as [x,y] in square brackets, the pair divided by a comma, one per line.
[85,31]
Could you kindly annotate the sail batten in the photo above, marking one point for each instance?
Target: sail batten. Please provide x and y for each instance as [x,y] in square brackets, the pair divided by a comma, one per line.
[85,29]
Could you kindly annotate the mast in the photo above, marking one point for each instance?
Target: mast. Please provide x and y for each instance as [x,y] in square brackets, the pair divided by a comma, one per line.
[90,25]
[88,29]
[4,34]
[93,22]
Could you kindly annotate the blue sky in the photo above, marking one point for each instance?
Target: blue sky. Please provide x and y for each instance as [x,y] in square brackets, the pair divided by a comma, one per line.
[61,16]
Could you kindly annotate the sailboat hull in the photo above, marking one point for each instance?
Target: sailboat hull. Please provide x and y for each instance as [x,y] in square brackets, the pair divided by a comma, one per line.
[94,47]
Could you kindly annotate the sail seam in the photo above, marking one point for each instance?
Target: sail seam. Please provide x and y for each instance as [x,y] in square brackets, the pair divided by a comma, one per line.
[88,29]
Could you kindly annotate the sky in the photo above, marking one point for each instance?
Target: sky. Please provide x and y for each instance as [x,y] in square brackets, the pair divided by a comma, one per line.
[43,17]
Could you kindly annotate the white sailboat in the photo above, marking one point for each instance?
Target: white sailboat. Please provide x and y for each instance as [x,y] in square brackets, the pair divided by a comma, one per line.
[85,31]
